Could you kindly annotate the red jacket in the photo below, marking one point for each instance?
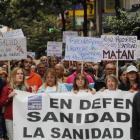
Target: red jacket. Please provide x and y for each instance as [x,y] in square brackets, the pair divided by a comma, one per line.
[8,102]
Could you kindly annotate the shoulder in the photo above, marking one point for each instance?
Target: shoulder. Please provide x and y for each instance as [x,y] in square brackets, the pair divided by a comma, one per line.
[41,89]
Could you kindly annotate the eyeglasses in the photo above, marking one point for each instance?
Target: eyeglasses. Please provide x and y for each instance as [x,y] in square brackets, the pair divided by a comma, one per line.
[44,60]
[110,69]
[50,78]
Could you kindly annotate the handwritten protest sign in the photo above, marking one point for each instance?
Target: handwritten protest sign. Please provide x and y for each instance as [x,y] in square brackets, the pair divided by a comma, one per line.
[54,48]
[69,34]
[14,33]
[83,49]
[104,116]
[32,54]
[138,49]
[119,47]
[13,48]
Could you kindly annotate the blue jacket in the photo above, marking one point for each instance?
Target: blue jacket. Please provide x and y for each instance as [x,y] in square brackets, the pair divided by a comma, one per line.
[61,88]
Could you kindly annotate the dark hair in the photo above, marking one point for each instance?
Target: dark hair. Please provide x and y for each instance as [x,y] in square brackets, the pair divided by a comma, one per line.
[22,61]
[28,56]
[86,86]
[121,70]
[53,56]
[137,79]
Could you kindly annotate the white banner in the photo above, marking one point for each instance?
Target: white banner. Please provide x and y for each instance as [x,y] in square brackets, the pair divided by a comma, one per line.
[54,48]
[14,33]
[119,47]
[103,116]
[69,34]
[83,49]
[13,48]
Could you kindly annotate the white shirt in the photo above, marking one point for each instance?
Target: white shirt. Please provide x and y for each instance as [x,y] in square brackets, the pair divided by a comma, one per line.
[50,89]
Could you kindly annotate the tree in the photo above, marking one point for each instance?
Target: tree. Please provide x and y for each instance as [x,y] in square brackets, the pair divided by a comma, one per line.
[126,25]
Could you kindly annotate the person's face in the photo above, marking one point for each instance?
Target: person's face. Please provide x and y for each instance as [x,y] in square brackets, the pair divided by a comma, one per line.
[27,63]
[4,68]
[104,63]
[19,76]
[111,85]
[41,69]
[59,70]
[3,76]
[80,82]
[53,62]
[50,80]
[79,66]
[65,63]
[44,60]
[110,69]
[132,75]
[123,77]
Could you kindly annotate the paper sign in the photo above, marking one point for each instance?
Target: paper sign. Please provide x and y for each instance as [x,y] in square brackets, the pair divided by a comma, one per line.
[69,34]
[69,116]
[83,49]
[14,33]
[54,48]
[119,47]
[138,49]
[32,54]
[13,48]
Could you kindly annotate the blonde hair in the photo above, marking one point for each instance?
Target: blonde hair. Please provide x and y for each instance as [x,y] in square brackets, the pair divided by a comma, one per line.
[113,77]
[53,73]
[12,84]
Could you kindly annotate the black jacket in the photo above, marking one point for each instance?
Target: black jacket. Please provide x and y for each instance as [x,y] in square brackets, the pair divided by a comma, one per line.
[100,83]
[2,84]
[126,87]
[136,117]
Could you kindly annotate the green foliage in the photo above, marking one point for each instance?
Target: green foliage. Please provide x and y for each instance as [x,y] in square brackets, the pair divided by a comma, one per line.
[125,25]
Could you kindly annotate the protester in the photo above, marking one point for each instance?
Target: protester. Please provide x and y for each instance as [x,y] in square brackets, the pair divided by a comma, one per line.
[33,79]
[4,75]
[2,84]
[136,117]
[111,82]
[81,84]
[53,60]
[70,79]
[51,84]
[101,68]
[41,68]
[5,67]
[44,60]
[132,84]
[91,72]
[6,100]
[100,83]
[66,64]
[122,75]
[59,69]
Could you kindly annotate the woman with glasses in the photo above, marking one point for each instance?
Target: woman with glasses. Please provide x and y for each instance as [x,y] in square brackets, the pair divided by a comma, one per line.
[51,84]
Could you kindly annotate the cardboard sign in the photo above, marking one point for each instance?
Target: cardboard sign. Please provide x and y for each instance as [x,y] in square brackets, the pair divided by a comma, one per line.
[69,34]
[13,48]
[14,33]
[54,48]
[138,49]
[105,116]
[119,47]
[32,54]
[83,49]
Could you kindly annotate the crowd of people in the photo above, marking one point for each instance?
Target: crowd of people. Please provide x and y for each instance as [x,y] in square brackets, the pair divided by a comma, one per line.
[50,75]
